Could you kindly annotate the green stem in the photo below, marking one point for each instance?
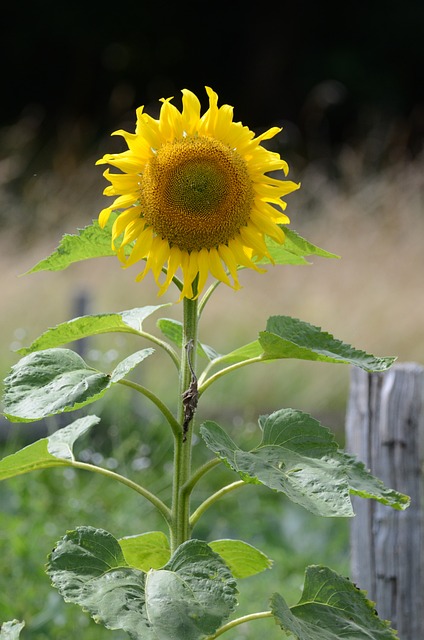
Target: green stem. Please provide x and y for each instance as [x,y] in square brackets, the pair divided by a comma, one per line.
[175,425]
[201,471]
[164,345]
[213,498]
[182,439]
[242,620]
[205,383]
[160,506]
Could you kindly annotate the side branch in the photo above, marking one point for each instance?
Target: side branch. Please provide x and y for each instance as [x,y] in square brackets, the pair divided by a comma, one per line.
[155,501]
[242,620]
[214,498]
[205,382]
[173,422]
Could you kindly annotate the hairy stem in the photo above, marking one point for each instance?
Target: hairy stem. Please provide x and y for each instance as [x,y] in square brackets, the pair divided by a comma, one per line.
[183,439]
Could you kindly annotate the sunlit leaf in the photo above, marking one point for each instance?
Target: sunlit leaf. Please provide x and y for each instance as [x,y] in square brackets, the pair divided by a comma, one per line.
[90,242]
[189,598]
[293,250]
[11,630]
[243,559]
[300,458]
[147,550]
[54,451]
[125,322]
[55,380]
[331,607]
[287,337]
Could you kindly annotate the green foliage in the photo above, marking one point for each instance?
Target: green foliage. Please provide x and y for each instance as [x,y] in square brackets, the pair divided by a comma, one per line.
[300,458]
[48,382]
[189,598]
[287,337]
[94,242]
[91,242]
[152,551]
[54,451]
[147,550]
[124,322]
[243,559]
[294,250]
[331,607]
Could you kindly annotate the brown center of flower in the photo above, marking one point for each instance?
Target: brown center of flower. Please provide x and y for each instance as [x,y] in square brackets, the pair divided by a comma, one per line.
[196,192]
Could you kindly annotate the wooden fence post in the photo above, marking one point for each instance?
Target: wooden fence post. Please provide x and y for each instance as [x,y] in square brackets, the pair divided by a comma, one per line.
[385,430]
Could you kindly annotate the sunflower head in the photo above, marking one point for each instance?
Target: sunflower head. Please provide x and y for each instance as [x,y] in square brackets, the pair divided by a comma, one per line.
[195,195]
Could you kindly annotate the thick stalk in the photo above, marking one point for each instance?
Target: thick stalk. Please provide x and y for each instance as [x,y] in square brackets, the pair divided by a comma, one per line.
[182,439]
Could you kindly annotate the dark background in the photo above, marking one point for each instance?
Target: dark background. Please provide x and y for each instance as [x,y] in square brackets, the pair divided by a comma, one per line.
[332,72]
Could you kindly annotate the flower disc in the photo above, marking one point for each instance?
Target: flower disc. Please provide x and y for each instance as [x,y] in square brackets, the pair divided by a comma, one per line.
[194,194]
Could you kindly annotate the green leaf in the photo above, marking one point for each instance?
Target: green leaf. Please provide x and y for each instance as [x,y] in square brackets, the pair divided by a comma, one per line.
[293,250]
[287,337]
[300,458]
[331,607]
[11,630]
[173,330]
[91,242]
[146,551]
[242,559]
[248,351]
[126,322]
[55,380]
[128,364]
[189,598]
[54,451]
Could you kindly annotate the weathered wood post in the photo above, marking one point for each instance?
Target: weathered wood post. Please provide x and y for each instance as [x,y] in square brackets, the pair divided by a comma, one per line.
[385,430]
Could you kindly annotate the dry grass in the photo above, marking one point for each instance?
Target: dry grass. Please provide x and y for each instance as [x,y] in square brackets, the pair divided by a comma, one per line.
[372,297]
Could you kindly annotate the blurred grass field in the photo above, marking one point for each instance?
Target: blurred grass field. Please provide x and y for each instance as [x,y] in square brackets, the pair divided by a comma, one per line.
[371,298]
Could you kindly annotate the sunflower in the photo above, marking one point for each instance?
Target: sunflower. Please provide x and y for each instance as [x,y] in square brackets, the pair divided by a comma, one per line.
[194,195]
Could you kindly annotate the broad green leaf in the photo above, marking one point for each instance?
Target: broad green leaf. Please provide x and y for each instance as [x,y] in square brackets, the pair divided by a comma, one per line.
[11,630]
[242,559]
[293,250]
[189,598]
[287,337]
[91,242]
[331,608]
[173,330]
[146,551]
[300,458]
[126,322]
[55,380]
[364,485]
[54,451]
